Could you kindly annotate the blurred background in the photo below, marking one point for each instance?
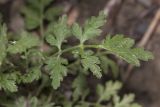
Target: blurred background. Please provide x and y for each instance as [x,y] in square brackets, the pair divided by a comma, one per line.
[138,19]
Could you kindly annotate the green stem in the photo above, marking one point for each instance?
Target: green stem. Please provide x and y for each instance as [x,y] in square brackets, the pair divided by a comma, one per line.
[76,47]
[66,50]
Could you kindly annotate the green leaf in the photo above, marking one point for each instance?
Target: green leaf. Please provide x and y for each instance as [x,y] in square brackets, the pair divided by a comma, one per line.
[108,64]
[35,57]
[32,17]
[8,83]
[91,62]
[57,70]
[60,32]
[91,28]
[51,40]
[31,101]
[32,74]
[25,42]
[123,47]
[77,31]
[52,12]
[142,54]
[80,86]
[45,2]
[110,89]
[3,42]
[67,104]
[34,12]
[127,101]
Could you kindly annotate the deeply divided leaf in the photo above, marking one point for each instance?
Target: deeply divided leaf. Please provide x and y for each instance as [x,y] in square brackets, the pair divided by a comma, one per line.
[91,62]
[127,101]
[32,74]
[108,64]
[32,17]
[60,32]
[27,41]
[34,13]
[91,28]
[110,89]
[57,70]
[123,47]
[8,83]
[80,86]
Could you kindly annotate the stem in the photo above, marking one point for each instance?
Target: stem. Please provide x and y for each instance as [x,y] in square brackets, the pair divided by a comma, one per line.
[76,47]
[66,50]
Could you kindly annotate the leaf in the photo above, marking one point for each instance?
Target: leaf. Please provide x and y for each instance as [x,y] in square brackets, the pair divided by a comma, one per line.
[123,47]
[32,74]
[127,101]
[77,31]
[51,40]
[110,89]
[91,62]
[60,32]
[57,70]
[35,57]
[45,2]
[80,86]
[8,83]
[52,12]
[67,104]
[32,18]
[91,28]
[3,42]
[25,42]
[142,54]
[108,64]
[31,101]
[34,12]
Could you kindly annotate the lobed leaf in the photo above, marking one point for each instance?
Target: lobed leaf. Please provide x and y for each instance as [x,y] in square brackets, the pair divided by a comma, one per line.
[52,12]
[60,32]
[108,64]
[32,74]
[80,86]
[91,63]
[32,17]
[25,42]
[91,28]
[8,83]
[34,12]
[123,47]
[57,70]
[127,101]
[110,89]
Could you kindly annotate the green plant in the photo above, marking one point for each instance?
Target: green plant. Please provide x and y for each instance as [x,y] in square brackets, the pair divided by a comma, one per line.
[34,63]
